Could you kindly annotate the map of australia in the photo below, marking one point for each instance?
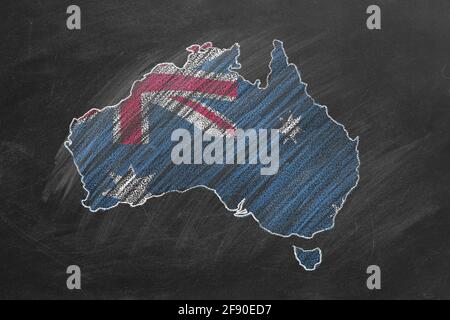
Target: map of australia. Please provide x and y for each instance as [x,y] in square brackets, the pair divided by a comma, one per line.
[271,153]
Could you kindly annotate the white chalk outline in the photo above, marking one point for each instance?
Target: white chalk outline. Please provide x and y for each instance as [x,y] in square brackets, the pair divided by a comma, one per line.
[239,211]
[305,250]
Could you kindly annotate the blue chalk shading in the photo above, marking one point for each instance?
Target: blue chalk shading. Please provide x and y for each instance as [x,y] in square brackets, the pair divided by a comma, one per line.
[308,259]
[316,172]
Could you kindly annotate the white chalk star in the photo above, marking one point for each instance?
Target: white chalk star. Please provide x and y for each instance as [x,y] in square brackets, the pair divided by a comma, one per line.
[290,128]
[129,188]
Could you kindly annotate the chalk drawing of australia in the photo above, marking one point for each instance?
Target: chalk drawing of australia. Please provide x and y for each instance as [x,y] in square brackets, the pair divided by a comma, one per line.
[270,152]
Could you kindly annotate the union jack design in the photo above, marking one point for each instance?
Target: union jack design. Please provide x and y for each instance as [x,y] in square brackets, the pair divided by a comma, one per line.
[178,90]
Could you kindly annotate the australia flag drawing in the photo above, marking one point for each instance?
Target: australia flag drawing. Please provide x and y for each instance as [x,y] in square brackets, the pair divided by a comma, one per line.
[124,152]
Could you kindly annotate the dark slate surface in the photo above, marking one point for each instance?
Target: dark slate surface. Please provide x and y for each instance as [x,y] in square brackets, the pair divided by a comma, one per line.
[390,87]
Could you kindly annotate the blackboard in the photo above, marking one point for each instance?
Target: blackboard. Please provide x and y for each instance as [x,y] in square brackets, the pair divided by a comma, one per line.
[390,87]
